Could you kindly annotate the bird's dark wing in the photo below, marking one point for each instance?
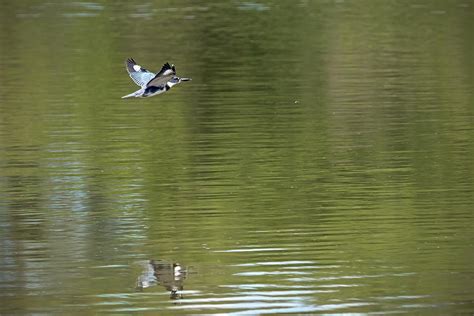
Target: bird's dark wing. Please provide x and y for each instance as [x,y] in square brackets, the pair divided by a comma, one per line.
[139,75]
[166,73]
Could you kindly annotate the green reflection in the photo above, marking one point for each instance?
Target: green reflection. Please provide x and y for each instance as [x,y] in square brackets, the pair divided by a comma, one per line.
[334,134]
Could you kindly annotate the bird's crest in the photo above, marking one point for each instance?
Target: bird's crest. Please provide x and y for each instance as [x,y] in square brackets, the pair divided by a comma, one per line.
[163,76]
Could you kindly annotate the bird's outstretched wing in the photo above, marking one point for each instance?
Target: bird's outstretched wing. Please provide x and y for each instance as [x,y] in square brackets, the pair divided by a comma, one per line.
[139,75]
[166,73]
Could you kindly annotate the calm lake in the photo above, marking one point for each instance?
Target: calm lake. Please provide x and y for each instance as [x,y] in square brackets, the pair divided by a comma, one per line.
[320,161]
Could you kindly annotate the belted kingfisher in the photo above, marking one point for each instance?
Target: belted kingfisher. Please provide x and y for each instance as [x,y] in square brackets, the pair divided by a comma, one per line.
[151,84]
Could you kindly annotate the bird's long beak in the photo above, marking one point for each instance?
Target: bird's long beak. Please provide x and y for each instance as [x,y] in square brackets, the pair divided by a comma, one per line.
[185,79]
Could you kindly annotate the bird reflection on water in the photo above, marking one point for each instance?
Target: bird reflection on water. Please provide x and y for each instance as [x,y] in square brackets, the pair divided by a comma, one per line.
[169,275]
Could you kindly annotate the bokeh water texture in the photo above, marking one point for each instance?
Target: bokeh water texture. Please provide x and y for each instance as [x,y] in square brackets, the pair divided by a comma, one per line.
[321,160]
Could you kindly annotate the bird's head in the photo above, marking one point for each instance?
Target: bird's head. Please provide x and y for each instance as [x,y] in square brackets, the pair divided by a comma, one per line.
[175,80]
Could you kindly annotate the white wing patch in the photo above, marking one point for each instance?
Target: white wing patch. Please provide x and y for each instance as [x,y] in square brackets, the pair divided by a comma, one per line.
[168,72]
[136,67]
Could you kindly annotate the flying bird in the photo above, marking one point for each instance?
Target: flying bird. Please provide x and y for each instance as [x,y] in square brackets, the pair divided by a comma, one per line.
[151,84]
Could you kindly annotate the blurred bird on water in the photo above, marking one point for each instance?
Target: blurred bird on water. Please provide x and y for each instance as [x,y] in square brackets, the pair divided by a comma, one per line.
[151,84]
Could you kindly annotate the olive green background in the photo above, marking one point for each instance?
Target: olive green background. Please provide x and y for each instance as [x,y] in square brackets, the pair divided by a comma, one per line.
[320,161]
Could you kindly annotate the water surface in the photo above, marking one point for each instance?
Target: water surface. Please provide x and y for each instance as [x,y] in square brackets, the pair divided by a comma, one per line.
[319,162]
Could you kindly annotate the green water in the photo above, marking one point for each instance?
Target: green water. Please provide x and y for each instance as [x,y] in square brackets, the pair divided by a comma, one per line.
[321,160]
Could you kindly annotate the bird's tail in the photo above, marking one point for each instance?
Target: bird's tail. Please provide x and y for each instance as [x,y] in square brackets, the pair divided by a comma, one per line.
[131,95]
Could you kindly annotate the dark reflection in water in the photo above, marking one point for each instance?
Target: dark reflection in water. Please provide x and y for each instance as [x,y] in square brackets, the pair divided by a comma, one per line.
[319,162]
[169,275]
